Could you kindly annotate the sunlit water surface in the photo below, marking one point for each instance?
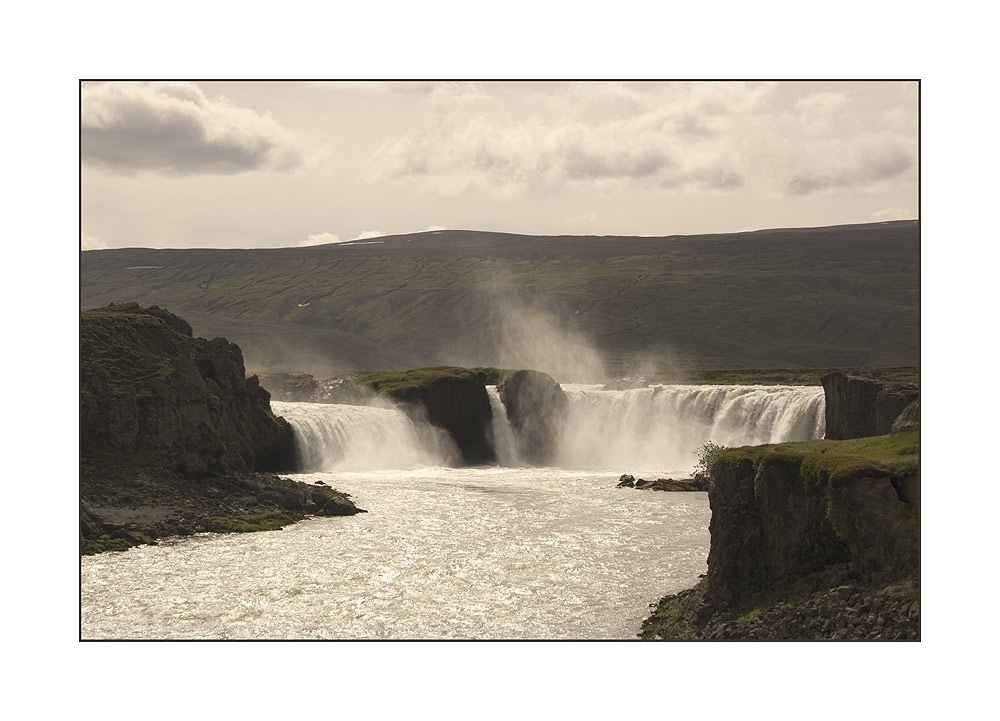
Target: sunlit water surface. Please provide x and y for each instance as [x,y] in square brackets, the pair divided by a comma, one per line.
[501,553]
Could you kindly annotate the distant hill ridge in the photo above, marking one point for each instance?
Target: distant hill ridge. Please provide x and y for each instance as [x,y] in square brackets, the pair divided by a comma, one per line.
[783,298]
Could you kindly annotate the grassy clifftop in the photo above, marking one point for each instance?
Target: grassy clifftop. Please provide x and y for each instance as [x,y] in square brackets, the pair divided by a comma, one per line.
[826,461]
[398,382]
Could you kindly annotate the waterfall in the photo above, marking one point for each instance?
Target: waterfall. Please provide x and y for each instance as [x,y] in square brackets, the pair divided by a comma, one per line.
[659,428]
[504,441]
[662,427]
[360,438]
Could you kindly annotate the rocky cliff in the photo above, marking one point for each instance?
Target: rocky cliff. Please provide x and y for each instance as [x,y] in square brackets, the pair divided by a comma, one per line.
[170,426]
[148,387]
[794,522]
[857,407]
[536,407]
[451,398]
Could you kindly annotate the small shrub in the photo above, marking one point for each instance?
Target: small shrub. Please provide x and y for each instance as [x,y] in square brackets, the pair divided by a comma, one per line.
[708,454]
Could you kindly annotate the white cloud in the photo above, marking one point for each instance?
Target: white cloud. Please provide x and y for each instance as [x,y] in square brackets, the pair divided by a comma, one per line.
[686,137]
[582,219]
[893,214]
[369,234]
[174,128]
[89,242]
[862,160]
[434,228]
[321,239]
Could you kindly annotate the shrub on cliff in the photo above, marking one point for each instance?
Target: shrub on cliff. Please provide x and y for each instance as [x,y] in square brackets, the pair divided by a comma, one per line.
[708,454]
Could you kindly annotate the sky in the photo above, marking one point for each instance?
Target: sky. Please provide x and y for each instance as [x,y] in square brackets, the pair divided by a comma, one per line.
[282,164]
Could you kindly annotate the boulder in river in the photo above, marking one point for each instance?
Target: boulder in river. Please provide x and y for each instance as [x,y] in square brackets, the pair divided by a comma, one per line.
[537,408]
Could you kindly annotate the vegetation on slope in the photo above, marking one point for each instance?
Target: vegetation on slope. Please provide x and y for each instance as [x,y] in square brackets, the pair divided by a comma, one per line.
[824,297]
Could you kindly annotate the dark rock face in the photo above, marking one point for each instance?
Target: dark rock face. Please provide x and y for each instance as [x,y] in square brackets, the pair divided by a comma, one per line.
[760,539]
[770,528]
[173,437]
[163,398]
[859,407]
[461,406]
[536,407]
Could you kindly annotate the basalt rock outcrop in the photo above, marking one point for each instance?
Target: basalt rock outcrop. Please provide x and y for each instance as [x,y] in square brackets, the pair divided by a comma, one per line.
[806,538]
[451,398]
[304,388]
[152,391]
[174,437]
[858,407]
[663,484]
[536,407]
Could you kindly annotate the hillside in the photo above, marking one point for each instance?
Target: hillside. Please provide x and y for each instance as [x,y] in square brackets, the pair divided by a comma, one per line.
[788,298]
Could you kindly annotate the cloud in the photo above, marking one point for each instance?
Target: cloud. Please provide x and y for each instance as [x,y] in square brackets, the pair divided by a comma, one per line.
[616,137]
[861,161]
[321,239]
[582,219]
[893,214]
[89,242]
[432,228]
[369,234]
[174,128]
[510,158]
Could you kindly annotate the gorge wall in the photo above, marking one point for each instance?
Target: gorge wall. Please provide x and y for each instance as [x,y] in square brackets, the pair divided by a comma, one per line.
[857,407]
[785,512]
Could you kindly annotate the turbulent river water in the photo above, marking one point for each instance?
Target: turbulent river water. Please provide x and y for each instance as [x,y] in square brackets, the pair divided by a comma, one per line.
[504,552]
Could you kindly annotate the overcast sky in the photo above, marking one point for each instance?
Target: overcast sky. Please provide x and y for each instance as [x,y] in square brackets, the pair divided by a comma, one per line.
[244,164]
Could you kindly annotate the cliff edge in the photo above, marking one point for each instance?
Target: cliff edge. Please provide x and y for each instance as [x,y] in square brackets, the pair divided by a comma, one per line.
[174,437]
[816,540]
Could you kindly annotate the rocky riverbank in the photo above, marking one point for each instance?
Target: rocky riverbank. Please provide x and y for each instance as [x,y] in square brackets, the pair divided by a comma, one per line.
[175,439]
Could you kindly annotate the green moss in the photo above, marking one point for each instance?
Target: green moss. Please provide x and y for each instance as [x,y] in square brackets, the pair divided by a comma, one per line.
[676,617]
[751,616]
[267,521]
[822,462]
[397,382]
[838,520]
[104,543]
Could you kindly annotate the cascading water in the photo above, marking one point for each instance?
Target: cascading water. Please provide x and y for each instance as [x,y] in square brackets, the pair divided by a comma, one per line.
[662,427]
[361,438]
[659,428]
[504,441]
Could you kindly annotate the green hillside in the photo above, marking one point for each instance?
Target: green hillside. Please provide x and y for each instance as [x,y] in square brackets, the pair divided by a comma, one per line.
[789,298]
